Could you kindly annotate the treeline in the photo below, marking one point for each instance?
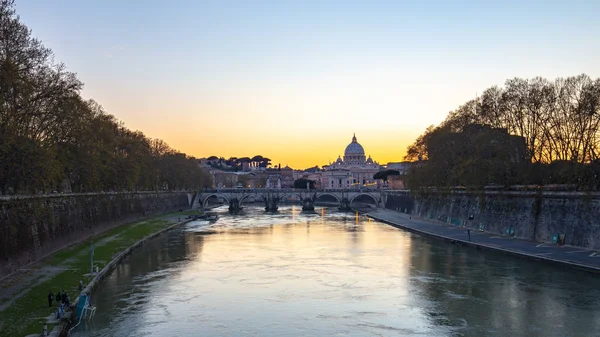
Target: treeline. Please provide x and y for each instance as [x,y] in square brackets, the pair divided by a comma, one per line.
[237,164]
[54,140]
[385,174]
[531,131]
[302,183]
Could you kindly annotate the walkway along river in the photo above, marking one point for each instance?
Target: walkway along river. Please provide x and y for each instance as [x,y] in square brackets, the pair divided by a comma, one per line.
[332,274]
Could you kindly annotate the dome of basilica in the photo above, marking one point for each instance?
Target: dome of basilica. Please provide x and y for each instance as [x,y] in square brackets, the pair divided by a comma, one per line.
[354,149]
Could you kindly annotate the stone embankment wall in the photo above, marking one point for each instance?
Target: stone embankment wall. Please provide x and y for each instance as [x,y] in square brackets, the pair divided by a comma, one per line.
[534,216]
[32,227]
[399,201]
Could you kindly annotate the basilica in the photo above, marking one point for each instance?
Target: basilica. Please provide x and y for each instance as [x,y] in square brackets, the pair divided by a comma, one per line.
[355,170]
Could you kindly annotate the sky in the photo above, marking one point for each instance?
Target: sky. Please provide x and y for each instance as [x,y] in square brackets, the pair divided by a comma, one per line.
[293,80]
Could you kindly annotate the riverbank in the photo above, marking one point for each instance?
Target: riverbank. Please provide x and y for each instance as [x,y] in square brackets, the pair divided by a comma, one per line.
[23,297]
[35,227]
[558,254]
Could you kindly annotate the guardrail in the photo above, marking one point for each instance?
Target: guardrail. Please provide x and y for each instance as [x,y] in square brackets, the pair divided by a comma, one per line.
[57,195]
[291,190]
[211,190]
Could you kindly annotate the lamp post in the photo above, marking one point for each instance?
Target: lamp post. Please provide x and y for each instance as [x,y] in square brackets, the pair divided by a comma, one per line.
[471,217]
[91,257]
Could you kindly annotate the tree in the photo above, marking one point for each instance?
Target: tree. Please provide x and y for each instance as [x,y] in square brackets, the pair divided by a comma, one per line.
[52,138]
[417,151]
[558,120]
[383,175]
[478,155]
[265,162]
[301,183]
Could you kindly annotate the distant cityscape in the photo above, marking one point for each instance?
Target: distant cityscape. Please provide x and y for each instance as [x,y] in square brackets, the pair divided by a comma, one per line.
[353,170]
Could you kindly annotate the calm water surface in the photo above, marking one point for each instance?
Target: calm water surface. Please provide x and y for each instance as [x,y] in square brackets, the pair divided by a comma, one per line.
[331,274]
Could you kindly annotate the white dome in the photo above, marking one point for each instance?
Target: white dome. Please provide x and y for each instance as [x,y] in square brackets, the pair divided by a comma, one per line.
[354,149]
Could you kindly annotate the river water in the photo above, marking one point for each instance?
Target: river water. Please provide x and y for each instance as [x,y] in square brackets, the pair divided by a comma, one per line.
[333,274]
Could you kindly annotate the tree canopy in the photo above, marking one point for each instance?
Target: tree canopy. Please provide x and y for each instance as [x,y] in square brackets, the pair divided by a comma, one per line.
[515,134]
[383,175]
[301,183]
[236,164]
[53,139]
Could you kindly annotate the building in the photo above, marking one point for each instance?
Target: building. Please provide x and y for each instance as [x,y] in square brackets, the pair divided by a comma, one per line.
[287,177]
[223,179]
[355,170]
[396,182]
[401,167]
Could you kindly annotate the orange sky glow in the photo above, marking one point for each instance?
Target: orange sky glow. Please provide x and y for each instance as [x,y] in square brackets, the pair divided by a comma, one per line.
[294,81]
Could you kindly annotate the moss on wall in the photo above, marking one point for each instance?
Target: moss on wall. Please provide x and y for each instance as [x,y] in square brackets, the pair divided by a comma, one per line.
[35,226]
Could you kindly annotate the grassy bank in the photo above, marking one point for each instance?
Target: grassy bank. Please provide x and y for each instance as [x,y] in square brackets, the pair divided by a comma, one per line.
[27,314]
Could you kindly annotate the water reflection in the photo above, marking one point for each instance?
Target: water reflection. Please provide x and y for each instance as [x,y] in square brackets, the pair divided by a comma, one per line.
[324,274]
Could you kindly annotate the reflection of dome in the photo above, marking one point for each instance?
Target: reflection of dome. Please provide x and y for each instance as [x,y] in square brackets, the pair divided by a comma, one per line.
[354,149]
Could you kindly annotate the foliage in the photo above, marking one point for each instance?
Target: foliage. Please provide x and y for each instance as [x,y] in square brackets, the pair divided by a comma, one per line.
[479,155]
[52,139]
[556,122]
[301,183]
[235,164]
[383,175]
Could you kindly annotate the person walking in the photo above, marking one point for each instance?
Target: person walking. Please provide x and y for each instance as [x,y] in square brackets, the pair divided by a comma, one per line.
[50,298]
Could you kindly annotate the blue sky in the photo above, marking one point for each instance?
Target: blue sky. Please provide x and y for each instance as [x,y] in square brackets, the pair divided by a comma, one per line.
[207,76]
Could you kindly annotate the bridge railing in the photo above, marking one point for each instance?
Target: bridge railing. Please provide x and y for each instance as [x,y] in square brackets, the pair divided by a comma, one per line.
[78,194]
[290,190]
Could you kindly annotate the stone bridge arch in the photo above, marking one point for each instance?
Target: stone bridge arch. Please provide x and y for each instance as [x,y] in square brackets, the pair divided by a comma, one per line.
[217,195]
[244,197]
[201,198]
[376,200]
[334,195]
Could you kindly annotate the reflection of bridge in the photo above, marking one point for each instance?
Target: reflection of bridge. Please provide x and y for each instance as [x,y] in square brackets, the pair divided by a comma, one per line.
[343,197]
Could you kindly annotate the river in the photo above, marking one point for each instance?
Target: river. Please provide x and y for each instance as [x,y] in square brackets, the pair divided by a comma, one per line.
[333,274]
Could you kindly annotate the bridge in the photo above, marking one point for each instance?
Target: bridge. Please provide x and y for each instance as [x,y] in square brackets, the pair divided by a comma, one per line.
[271,197]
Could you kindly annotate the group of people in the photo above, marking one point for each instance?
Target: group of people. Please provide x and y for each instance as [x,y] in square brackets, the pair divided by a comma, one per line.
[63,302]
[61,298]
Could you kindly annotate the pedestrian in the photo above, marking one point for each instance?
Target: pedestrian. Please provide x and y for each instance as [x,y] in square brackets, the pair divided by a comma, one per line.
[58,297]
[50,298]
[80,286]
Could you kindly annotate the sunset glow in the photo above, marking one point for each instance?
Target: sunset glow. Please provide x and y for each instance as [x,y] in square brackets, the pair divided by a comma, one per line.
[293,82]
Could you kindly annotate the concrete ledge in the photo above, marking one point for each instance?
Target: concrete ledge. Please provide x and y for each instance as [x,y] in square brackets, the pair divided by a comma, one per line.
[488,247]
[95,282]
